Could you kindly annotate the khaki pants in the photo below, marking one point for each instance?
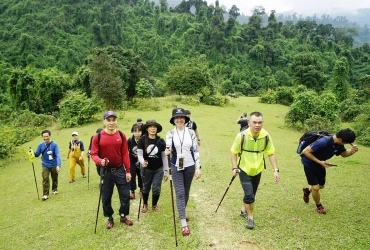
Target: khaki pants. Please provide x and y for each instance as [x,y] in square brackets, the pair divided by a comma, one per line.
[45,179]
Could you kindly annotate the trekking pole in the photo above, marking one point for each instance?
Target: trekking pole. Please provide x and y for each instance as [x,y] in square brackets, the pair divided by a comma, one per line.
[102,175]
[173,204]
[88,172]
[227,189]
[31,158]
[141,195]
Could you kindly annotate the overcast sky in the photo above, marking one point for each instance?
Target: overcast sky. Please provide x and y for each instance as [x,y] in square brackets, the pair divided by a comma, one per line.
[304,7]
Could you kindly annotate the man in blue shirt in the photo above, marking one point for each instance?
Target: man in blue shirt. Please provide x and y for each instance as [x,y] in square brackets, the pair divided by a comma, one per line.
[51,162]
[314,162]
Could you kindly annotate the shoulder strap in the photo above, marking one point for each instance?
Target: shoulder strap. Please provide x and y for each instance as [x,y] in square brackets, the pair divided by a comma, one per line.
[253,151]
[241,148]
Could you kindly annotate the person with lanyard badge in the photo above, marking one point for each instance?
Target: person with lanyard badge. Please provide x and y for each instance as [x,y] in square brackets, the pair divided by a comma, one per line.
[51,163]
[152,157]
[182,144]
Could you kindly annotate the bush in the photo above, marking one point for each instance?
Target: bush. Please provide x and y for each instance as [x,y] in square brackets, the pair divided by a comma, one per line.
[362,126]
[77,109]
[268,97]
[215,100]
[284,95]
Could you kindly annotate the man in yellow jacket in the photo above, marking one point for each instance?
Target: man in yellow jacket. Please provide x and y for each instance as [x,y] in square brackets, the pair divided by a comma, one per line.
[76,148]
[251,145]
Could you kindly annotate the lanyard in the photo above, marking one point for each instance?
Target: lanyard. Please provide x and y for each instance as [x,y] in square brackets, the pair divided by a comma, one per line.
[183,135]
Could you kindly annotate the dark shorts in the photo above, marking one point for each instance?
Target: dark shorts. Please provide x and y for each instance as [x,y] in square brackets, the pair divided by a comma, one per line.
[315,175]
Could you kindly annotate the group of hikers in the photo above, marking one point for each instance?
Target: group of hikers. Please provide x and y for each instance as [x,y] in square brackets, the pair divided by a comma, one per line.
[151,159]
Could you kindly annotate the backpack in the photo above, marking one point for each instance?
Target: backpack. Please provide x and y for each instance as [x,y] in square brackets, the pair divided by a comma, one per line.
[310,137]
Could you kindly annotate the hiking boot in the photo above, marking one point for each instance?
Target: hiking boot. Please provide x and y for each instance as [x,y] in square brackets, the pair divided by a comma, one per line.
[250,224]
[144,209]
[156,208]
[244,214]
[132,195]
[185,231]
[321,210]
[45,197]
[306,195]
[55,192]
[110,224]
[126,221]
[71,181]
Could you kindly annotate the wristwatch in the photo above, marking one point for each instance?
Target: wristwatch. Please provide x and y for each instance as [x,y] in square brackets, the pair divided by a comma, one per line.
[276,170]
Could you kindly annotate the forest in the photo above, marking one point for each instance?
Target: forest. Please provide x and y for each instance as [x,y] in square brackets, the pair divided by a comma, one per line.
[55,56]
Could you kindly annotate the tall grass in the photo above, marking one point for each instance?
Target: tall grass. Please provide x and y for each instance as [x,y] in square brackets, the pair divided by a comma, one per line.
[283,220]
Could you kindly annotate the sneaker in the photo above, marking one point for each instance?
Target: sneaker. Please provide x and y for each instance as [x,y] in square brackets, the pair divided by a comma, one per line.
[55,192]
[84,176]
[250,224]
[71,181]
[126,221]
[144,209]
[321,210]
[45,197]
[110,224]
[244,214]
[185,231]
[306,195]
[156,208]
[132,195]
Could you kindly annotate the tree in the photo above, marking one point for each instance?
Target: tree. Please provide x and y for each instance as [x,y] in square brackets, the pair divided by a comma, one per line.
[106,80]
[189,77]
[340,79]
[234,12]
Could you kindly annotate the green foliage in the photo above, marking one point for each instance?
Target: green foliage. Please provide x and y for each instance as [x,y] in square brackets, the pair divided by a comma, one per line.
[106,81]
[310,111]
[285,95]
[189,77]
[144,89]
[362,126]
[340,76]
[268,97]
[19,128]
[215,100]
[77,109]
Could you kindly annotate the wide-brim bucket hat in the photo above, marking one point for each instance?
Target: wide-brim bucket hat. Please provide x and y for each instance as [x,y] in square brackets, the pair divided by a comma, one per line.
[150,123]
[179,112]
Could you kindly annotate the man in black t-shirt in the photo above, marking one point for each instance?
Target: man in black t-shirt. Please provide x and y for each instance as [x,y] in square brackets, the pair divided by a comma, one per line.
[243,121]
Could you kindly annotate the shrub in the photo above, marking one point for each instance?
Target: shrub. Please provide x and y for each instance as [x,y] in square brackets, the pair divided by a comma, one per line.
[268,97]
[284,95]
[77,109]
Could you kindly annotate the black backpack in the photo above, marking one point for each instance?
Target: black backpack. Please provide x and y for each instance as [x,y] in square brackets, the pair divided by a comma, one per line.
[310,137]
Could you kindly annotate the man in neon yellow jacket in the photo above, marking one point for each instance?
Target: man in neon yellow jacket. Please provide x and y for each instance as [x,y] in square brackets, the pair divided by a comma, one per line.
[251,145]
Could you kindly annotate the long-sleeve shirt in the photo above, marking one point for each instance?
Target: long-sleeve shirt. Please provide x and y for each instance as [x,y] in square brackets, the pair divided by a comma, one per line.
[51,156]
[112,147]
[183,143]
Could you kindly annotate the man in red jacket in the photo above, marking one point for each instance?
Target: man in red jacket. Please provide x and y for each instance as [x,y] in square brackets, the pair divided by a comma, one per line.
[110,150]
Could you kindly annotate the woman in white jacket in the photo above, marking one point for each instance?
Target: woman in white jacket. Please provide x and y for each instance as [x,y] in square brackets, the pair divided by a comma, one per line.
[182,144]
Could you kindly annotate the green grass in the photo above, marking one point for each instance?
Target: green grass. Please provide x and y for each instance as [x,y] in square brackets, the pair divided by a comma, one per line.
[283,220]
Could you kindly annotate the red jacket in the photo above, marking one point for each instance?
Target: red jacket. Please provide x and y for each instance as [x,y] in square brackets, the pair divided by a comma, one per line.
[112,147]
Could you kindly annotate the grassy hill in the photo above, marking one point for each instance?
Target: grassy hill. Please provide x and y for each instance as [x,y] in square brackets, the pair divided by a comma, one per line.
[283,220]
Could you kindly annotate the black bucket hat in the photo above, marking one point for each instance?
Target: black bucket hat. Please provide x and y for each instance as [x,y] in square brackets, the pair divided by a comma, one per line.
[179,112]
[150,123]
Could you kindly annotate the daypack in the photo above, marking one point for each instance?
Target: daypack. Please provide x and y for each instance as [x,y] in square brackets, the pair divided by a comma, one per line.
[310,137]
